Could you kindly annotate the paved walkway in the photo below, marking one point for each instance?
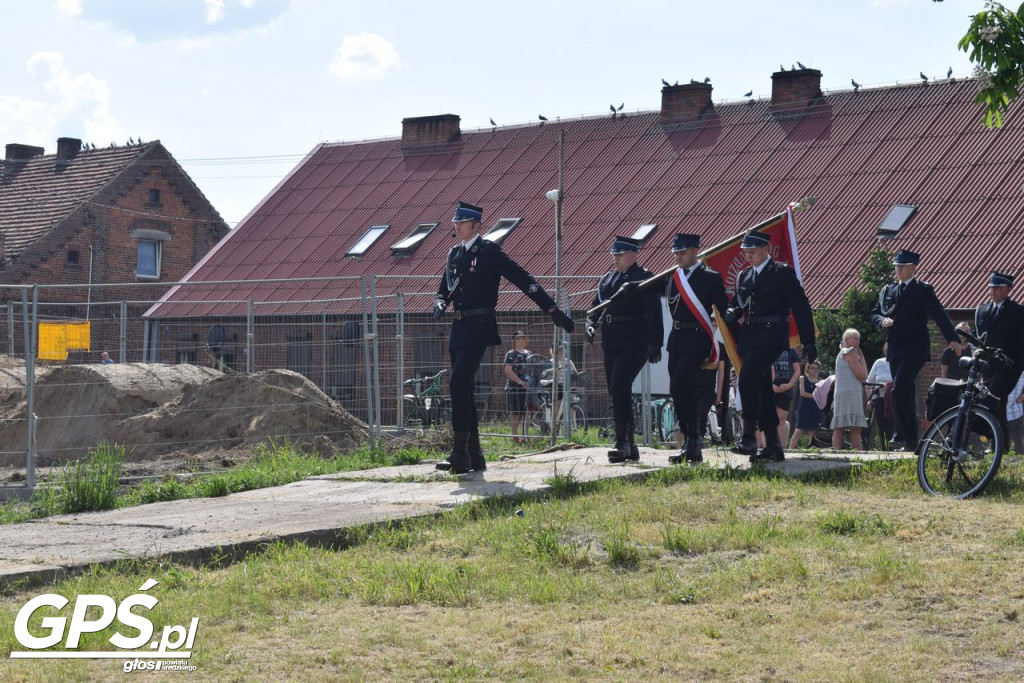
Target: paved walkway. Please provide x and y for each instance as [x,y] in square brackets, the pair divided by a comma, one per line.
[321,510]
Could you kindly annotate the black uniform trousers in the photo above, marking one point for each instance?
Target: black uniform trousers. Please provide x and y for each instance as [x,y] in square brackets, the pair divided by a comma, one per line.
[465,363]
[692,389]
[904,399]
[621,368]
[1000,382]
[756,392]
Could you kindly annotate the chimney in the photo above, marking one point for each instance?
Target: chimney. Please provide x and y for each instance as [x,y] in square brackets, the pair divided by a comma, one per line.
[430,130]
[795,90]
[686,101]
[67,148]
[17,152]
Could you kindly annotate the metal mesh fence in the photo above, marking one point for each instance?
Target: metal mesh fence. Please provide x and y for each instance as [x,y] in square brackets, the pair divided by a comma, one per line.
[382,358]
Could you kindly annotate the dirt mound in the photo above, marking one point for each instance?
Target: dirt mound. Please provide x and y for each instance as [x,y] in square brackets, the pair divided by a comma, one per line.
[236,409]
[158,409]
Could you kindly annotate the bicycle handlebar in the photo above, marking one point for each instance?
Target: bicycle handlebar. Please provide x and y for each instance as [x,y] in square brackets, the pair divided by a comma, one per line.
[429,378]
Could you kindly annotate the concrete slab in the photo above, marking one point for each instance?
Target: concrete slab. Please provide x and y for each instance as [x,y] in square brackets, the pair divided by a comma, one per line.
[323,510]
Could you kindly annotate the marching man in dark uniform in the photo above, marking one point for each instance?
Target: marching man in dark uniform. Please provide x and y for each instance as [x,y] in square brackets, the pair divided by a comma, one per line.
[1001,323]
[902,310]
[766,293]
[631,334]
[470,281]
[692,290]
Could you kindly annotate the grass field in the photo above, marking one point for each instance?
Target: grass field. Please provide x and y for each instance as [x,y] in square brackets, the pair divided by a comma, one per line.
[694,574]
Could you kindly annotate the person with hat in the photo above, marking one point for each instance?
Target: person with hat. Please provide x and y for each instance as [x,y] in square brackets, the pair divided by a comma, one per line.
[767,292]
[903,309]
[631,335]
[692,291]
[1000,322]
[472,273]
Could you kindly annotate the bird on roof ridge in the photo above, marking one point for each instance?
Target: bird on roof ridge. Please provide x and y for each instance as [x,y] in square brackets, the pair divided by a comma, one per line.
[542,118]
[707,79]
[855,84]
[800,65]
[493,123]
[949,73]
[665,83]
[923,77]
[748,93]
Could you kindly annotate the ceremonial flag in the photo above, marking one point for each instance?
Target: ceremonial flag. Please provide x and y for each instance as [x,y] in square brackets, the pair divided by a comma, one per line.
[728,260]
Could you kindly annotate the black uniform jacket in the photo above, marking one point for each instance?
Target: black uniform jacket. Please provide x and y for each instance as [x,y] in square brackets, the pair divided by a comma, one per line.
[1005,332]
[686,335]
[762,306]
[909,336]
[633,322]
[470,282]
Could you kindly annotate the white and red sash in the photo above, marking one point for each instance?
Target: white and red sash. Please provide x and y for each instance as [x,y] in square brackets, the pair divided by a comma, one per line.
[697,309]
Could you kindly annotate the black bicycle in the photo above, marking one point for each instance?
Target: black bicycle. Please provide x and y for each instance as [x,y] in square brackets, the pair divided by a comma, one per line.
[960,453]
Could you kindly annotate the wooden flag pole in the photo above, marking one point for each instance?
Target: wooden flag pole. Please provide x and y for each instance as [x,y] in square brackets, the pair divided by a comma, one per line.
[804,203]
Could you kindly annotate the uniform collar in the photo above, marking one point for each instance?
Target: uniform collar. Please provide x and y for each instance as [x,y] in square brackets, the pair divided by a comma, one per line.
[907,282]
[760,269]
[467,245]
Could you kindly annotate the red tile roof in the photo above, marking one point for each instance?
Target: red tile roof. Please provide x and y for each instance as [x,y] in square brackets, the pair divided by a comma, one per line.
[857,152]
[36,194]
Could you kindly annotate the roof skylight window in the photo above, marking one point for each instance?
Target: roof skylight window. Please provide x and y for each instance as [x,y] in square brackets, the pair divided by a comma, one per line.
[366,241]
[894,221]
[411,243]
[502,229]
[644,231]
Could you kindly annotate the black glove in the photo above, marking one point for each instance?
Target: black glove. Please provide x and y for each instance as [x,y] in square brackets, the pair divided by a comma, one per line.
[562,320]
[653,354]
[730,316]
[589,334]
[439,306]
[625,288]
[811,351]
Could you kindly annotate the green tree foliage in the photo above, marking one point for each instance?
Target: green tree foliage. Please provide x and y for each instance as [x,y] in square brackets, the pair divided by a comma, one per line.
[855,311]
[995,43]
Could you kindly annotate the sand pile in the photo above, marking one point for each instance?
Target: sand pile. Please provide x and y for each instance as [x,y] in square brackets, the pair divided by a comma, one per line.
[156,409]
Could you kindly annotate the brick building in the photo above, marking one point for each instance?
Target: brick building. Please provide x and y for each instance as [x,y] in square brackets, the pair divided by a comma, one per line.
[906,166]
[92,216]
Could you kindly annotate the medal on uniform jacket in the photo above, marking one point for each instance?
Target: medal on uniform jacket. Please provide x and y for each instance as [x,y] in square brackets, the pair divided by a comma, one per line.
[472,264]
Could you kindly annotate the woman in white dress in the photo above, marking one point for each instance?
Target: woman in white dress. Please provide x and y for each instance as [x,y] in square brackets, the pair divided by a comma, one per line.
[848,404]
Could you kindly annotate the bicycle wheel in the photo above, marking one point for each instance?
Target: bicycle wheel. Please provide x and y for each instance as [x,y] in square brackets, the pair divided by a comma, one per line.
[539,422]
[960,467]
[667,421]
[414,415]
[577,418]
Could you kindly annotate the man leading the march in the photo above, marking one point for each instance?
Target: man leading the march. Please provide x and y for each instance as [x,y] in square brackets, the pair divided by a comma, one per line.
[766,293]
[472,273]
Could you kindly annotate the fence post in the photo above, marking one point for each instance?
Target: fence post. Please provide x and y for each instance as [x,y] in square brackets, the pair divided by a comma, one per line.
[250,332]
[371,436]
[645,400]
[123,338]
[323,349]
[30,382]
[10,328]
[376,357]
[399,358]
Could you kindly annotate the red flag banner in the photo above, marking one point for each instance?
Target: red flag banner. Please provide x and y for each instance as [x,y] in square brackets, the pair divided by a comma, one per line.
[728,260]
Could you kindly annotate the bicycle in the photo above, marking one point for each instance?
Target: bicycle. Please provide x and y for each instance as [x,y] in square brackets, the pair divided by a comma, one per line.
[426,406]
[874,407]
[961,451]
[540,417]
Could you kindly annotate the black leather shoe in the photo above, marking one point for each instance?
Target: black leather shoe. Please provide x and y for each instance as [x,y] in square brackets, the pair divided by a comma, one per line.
[458,460]
[477,461]
[694,449]
[677,459]
[748,446]
[620,451]
[770,453]
[634,452]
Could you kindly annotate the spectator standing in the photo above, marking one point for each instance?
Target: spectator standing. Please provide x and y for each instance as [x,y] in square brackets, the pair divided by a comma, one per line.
[516,383]
[848,404]
[808,414]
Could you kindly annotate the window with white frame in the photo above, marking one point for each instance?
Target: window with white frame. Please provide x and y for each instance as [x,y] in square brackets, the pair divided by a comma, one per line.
[149,259]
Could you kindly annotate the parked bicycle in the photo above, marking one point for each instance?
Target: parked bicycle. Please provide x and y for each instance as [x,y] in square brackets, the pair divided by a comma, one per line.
[960,453]
[426,406]
[540,416]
